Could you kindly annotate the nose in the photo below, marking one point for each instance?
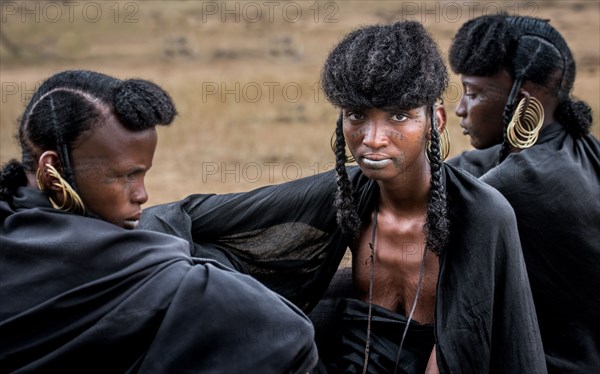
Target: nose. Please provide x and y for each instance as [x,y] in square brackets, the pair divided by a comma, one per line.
[461,108]
[375,135]
[139,194]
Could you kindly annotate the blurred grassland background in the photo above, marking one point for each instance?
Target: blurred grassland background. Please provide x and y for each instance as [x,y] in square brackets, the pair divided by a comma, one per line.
[243,74]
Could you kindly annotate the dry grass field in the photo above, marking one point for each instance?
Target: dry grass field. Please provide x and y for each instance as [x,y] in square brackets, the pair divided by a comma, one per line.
[244,74]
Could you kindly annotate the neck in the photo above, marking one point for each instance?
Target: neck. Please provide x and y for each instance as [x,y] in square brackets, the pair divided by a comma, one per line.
[31,182]
[408,192]
[548,118]
[549,109]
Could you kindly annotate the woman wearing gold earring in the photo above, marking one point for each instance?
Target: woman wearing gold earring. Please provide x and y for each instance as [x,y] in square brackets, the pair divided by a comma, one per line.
[534,146]
[435,252]
[81,290]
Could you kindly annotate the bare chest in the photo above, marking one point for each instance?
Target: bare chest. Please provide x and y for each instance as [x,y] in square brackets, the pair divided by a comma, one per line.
[398,263]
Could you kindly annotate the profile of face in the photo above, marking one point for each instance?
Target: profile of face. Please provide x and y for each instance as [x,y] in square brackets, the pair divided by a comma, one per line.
[481,107]
[386,144]
[110,163]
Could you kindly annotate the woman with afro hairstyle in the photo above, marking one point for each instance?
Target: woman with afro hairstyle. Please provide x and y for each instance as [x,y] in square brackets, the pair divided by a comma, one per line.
[437,281]
[81,291]
[534,146]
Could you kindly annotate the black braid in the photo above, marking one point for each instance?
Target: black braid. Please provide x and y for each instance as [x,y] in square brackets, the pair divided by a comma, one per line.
[347,217]
[437,225]
[506,147]
[61,147]
[507,114]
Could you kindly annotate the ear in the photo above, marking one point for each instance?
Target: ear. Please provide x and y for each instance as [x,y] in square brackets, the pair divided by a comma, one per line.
[523,94]
[46,181]
[440,112]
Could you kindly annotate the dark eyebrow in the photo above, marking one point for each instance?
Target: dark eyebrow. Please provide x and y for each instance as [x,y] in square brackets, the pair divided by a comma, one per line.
[137,170]
[134,169]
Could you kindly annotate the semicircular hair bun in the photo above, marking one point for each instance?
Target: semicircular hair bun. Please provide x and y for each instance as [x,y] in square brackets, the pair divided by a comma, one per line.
[141,104]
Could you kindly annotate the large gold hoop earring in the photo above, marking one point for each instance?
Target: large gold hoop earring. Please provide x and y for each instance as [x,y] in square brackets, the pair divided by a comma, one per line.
[524,127]
[71,200]
[444,145]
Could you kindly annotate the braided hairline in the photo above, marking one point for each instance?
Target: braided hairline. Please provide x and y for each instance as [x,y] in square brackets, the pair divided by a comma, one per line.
[61,147]
[92,99]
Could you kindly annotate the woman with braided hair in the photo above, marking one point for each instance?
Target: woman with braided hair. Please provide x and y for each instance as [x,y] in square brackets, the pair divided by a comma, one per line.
[81,290]
[534,146]
[438,280]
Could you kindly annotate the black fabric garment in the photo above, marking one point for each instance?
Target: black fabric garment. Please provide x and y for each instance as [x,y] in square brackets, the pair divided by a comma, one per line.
[387,328]
[79,295]
[554,188]
[340,322]
[477,162]
[287,237]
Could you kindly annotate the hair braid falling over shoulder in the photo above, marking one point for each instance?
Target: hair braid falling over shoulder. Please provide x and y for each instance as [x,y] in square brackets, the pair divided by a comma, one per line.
[437,225]
[347,217]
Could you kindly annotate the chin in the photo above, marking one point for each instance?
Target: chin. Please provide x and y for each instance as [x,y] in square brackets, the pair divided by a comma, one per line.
[479,145]
[377,174]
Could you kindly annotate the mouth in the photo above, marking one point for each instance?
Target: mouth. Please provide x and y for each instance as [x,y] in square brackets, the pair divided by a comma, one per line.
[375,161]
[465,131]
[132,223]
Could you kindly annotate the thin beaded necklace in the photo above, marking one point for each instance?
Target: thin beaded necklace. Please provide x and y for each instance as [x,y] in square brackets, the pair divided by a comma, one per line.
[371,281]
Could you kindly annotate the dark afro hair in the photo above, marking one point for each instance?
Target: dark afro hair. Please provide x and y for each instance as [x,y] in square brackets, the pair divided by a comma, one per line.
[385,66]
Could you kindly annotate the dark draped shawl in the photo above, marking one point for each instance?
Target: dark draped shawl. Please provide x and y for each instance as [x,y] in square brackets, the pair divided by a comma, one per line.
[554,189]
[286,236]
[387,328]
[79,295]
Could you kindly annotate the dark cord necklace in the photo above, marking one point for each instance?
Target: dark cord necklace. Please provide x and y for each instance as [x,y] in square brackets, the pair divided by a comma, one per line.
[371,281]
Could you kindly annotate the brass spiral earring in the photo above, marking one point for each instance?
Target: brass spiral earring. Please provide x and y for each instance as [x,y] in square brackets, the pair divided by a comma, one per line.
[71,200]
[524,127]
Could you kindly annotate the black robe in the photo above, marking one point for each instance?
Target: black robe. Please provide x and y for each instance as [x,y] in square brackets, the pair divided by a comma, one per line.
[287,237]
[554,189]
[79,295]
